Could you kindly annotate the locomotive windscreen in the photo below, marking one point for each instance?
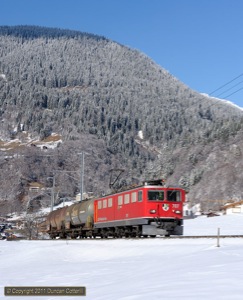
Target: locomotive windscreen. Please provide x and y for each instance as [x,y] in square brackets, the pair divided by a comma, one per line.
[174,196]
[156,195]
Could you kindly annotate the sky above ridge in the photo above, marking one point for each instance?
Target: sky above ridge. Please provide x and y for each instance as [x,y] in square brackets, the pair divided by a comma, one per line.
[199,42]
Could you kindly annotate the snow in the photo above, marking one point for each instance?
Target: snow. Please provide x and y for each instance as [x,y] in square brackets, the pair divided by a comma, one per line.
[61,205]
[12,143]
[223,100]
[228,224]
[3,76]
[131,269]
[140,134]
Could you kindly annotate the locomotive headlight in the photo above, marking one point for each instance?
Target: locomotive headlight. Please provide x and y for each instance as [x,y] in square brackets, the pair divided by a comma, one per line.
[152,211]
[177,211]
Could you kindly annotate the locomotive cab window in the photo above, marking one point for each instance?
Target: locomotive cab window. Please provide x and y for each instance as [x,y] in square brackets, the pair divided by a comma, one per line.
[156,195]
[174,196]
[140,196]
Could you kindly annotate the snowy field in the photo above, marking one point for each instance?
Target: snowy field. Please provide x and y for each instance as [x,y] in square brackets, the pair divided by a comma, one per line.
[127,269]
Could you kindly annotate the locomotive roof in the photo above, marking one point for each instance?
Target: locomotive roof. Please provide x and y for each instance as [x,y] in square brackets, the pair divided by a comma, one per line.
[146,184]
[160,182]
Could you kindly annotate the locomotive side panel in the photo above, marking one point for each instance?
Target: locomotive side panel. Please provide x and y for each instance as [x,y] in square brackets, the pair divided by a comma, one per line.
[104,209]
[119,207]
[129,205]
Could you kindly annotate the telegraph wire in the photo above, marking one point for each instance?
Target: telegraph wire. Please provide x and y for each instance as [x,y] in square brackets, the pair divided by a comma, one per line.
[218,100]
[234,92]
[229,89]
[226,84]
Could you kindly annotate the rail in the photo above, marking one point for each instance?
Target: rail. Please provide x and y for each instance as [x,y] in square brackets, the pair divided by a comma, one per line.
[146,238]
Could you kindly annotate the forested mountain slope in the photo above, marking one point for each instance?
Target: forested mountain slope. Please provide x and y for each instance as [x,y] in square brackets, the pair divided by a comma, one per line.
[88,88]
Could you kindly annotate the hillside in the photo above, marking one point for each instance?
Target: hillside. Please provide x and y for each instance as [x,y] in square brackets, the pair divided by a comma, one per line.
[116,104]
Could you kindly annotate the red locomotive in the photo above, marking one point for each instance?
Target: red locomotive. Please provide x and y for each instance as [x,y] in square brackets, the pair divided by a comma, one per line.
[147,210]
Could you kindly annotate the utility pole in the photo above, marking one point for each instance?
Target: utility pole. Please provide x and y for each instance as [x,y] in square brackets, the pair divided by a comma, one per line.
[52,191]
[82,176]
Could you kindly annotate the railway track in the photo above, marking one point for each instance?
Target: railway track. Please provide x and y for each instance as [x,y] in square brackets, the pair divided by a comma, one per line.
[161,237]
[203,236]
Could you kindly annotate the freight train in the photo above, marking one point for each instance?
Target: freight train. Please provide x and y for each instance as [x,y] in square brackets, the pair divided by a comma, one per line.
[149,209]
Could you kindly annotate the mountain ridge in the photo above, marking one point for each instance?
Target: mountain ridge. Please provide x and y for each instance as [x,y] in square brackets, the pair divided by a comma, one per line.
[94,91]
[30,32]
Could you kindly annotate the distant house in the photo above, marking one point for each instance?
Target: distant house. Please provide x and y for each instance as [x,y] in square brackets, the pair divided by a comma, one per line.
[35,194]
[35,187]
[191,211]
[233,208]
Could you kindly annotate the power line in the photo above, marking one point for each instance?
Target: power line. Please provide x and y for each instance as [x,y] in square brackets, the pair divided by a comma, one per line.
[234,92]
[229,89]
[216,101]
[226,84]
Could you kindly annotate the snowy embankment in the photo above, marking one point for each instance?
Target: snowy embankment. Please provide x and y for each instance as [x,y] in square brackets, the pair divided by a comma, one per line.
[133,269]
[228,224]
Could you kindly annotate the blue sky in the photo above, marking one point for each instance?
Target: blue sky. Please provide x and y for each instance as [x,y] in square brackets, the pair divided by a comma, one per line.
[199,42]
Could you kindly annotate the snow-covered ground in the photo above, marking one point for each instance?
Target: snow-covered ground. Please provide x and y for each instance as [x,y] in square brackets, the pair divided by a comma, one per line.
[130,269]
[228,224]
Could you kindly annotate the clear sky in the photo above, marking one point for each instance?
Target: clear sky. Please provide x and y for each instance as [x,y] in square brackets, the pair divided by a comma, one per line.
[198,41]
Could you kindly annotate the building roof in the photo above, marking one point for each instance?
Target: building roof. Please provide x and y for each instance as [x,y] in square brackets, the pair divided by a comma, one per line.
[36,185]
[230,205]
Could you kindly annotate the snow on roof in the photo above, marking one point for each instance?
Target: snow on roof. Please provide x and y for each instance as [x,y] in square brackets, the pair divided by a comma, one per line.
[230,205]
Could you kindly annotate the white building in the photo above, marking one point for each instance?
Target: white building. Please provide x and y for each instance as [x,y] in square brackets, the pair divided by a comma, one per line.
[190,211]
[233,208]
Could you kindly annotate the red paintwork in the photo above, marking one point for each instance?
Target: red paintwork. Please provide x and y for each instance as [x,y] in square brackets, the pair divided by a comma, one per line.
[134,210]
